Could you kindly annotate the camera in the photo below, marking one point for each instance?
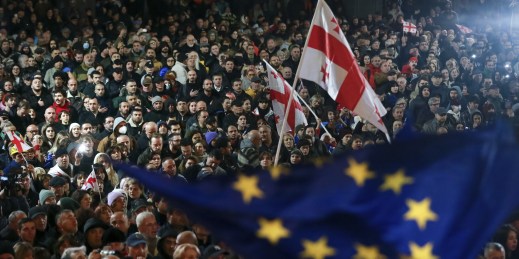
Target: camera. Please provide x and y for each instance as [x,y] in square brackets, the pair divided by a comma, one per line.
[12,185]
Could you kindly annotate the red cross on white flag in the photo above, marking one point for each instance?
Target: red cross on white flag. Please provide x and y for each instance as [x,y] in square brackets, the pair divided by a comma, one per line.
[280,93]
[91,182]
[17,141]
[328,61]
[409,27]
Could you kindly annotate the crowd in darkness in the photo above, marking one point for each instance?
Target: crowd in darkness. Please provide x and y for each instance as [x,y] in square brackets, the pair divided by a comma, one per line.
[180,88]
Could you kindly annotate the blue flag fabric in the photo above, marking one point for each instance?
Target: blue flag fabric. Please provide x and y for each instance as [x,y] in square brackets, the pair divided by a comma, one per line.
[424,197]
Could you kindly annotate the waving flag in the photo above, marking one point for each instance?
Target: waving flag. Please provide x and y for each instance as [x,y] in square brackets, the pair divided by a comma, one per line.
[91,182]
[389,201]
[328,61]
[464,29]
[409,27]
[280,92]
[17,141]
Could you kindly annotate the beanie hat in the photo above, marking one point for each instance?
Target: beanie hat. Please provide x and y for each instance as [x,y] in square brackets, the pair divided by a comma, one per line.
[209,136]
[113,195]
[72,125]
[68,203]
[93,223]
[117,121]
[44,195]
[112,235]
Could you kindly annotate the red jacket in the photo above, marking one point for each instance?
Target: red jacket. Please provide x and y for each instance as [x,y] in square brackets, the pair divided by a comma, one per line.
[59,109]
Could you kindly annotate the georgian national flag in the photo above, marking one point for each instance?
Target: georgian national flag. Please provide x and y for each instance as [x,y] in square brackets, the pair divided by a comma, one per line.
[409,27]
[18,142]
[91,182]
[280,92]
[328,61]
[464,29]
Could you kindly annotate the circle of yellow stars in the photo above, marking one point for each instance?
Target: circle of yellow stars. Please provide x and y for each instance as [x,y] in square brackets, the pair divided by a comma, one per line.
[273,230]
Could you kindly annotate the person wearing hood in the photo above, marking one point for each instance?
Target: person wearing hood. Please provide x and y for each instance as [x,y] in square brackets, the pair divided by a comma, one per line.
[166,243]
[119,129]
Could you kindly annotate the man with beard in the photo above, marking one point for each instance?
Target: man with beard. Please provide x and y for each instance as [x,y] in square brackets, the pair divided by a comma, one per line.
[80,73]
[63,104]
[135,122]
[73,95]
[38,98]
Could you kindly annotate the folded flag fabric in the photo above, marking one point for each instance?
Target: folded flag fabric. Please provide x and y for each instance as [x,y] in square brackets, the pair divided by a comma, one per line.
[421,197]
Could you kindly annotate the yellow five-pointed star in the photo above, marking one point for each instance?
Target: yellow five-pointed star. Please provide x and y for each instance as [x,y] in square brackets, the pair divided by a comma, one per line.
[367,252]
[318,249]
[359,172]
[420,212]
[272,230]
[396,181]
[248,186]
[277,171]
[422,252]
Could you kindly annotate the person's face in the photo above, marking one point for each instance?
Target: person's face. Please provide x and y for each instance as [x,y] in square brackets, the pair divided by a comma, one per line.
[50,115]
[86,128]
[94,237]
[93,105]
[68,222]
[305,150]
[138,251]
[236,86]
[288,141]
[511,241]
[495,254]
[50,133]
[149,227]
[295,159]
[217,80]
[356,144]
[134,191]
[137,116]
[27,232]
[242,121]
[119,221]
[40,222]
[156,144]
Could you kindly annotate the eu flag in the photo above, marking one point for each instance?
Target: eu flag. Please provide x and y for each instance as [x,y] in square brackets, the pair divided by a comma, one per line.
[422,197]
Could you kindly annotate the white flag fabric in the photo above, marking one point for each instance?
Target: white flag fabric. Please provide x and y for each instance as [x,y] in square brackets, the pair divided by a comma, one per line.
[91,182]
[464,29]
[409,27]
[18,142]
[280,92]
[328,61]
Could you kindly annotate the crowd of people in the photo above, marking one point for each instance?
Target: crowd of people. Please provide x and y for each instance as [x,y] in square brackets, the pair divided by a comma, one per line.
[180,88]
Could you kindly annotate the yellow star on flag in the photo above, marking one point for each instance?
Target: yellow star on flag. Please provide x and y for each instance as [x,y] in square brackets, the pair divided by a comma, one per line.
[248,186]
[422,252]
[420,212]
[318,249]
[277,171]
[359,172]
[319,161]
[272,230]
[396,181]
[367,252]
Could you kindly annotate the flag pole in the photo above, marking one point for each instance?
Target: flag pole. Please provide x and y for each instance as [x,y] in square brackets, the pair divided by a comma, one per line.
[296,77]
[310,109]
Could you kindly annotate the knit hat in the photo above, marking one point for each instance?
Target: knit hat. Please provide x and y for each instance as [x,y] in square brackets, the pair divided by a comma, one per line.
[93,223]
[117,121]
[57,181]
[37,210]
[209,136]
[112,235]
[113,195]
[44,195]
[73,125]
[156,99]
[68,203]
